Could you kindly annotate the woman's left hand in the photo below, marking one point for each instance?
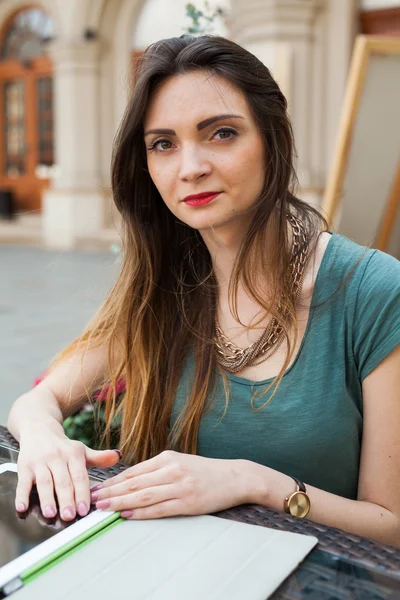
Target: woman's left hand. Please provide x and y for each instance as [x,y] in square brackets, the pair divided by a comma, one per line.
[172,484]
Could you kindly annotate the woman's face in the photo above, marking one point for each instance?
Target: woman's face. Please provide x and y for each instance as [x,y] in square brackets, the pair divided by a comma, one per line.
[201,138]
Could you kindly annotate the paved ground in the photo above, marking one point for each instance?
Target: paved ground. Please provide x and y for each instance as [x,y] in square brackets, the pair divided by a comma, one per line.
[46,298]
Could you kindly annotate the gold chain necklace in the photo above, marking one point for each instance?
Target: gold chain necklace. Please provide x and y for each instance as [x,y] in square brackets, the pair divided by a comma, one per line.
[233,358]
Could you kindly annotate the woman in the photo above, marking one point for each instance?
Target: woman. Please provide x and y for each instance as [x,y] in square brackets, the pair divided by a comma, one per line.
[256,346]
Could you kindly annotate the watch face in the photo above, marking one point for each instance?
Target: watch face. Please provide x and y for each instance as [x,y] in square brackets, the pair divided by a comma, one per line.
[299,504]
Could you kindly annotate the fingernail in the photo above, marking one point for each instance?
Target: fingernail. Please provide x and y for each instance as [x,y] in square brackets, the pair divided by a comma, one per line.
[93,497]
[68,513]
[82,509]
[95,488]
[49,511]
[103,504]
[118,452]
[21,507]
[126,514]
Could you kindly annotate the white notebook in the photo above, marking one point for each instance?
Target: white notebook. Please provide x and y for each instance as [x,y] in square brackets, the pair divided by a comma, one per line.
[179,558]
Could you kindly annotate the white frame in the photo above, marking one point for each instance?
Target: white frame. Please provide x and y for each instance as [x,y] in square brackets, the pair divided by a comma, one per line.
[19,565]
[365,48]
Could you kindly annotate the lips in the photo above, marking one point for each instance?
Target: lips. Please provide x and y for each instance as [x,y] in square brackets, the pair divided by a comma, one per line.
[199,196]
[200,199]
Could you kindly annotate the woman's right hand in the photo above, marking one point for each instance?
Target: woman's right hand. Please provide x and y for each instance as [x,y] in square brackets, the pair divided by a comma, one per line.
[58,467]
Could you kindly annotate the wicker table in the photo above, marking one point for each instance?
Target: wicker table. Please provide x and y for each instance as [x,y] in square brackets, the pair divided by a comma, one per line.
[343,566]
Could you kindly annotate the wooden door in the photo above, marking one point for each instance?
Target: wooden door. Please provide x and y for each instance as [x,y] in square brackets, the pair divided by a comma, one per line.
[26,129]
[384,21]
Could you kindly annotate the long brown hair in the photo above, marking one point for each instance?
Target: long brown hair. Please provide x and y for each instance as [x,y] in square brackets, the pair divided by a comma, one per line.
[163,305]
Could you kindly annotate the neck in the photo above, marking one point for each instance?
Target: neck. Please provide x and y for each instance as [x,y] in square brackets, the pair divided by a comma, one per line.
[224,243]
[223,247]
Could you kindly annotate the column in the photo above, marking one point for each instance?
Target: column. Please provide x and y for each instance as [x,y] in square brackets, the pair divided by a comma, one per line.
[281,34]
[74,206]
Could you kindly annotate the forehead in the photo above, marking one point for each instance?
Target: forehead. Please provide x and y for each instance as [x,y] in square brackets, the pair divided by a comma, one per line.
[191,97]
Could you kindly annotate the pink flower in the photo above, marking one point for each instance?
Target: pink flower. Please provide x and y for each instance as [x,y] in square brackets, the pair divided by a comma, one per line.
[102,394]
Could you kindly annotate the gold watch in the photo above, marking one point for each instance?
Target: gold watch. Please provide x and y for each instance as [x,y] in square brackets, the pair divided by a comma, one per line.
[298,504]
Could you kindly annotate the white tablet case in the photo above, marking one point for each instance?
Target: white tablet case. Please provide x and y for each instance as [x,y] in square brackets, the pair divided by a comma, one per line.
[180,558]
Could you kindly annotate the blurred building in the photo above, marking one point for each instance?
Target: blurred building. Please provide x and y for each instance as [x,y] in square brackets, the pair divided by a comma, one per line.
[65,74]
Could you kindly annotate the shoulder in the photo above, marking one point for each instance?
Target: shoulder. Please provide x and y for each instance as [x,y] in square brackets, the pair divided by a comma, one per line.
[378,290]
[382,270]
[376,274]
[333,259]
[356,269]
[376,311]
[368,260]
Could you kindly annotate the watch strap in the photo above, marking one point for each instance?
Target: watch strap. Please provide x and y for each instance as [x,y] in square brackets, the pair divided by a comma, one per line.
[300,484]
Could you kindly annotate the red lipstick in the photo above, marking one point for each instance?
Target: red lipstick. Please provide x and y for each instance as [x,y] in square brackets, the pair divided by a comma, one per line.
[200,199]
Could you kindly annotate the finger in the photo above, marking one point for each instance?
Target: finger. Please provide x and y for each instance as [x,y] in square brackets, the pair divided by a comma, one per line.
[64,489]
[24,486]
[45,489]
[169,508]
[146,497]
[147,466]
[130,484]
[80,481]
[102,458]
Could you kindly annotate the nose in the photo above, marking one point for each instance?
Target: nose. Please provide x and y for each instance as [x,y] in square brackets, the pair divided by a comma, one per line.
[193,165]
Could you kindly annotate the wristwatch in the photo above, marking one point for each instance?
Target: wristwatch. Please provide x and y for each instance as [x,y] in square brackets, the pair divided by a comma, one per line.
[298,503]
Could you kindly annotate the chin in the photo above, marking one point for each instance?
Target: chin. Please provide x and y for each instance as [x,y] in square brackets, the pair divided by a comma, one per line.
[211,218]
[211,224]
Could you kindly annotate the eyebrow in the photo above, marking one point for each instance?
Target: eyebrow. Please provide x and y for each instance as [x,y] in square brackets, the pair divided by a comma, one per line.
[199,126]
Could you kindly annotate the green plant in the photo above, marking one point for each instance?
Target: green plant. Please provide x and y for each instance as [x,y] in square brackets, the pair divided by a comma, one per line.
[87,426]
[201,19]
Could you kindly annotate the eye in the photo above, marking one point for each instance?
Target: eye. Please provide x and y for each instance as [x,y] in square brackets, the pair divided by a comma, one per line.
[226,133]
[160,145]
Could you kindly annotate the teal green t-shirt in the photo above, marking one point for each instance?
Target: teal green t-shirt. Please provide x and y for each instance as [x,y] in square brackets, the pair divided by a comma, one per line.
[312,427]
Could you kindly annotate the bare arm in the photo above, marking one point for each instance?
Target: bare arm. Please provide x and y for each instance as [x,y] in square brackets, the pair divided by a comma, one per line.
[376,512]
[56,464]
[60,394]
